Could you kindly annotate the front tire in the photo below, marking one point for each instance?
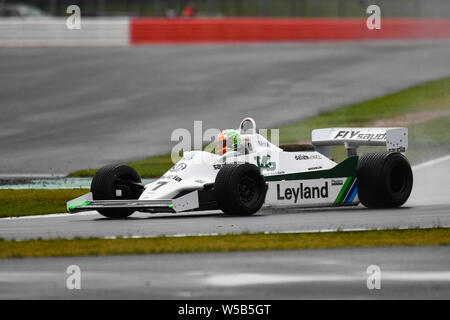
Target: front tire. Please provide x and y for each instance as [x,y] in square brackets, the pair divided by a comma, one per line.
[240,189]
[110,183]
[384,179]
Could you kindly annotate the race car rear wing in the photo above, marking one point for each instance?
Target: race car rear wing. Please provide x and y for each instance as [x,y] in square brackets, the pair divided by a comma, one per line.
[395,139]
[187,202]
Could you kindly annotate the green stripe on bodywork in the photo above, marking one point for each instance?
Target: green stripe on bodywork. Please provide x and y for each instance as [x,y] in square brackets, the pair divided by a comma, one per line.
[344,190]
[346,168]
[79,205]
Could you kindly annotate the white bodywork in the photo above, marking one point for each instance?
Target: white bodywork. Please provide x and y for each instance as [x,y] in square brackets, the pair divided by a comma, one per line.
[395,139]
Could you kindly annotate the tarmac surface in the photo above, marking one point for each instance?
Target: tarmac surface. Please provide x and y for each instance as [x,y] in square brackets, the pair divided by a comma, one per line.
[65,109]
[406,273]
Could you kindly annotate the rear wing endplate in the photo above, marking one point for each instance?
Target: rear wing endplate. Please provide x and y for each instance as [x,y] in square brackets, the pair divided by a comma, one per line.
[395,139]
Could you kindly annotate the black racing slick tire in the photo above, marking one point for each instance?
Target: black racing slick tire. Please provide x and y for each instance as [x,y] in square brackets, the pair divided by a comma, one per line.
[115,182]
[240,189]
[384,179]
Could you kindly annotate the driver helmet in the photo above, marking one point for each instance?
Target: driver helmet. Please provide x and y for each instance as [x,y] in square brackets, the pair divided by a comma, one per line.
[228,140]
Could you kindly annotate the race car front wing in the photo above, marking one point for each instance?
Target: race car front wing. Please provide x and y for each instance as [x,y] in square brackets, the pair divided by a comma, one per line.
[189,201]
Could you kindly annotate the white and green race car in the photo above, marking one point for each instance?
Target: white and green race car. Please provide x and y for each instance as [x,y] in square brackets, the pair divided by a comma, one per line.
[247,171]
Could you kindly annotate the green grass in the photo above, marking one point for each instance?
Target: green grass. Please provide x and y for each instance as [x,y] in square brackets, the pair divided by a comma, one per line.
[428,139]
[15,203]
[429,96]
[225,243]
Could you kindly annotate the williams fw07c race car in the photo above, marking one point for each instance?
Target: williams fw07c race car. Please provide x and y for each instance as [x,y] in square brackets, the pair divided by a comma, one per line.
[247,171]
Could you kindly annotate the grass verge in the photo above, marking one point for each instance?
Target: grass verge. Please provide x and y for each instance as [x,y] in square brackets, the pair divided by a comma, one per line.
[15,203]
[427,138]
[225,243]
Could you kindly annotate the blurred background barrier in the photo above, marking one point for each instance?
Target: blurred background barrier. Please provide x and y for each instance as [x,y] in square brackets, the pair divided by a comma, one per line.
[125,31]
[124,22]
[34,32]
[233,8]
[146,31]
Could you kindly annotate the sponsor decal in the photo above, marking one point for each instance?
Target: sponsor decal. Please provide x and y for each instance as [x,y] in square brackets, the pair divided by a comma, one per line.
[217,166]
[337,182]
[315,168]
[264,163]
[307,157]
[172,176]
[262,143]
[302,192]
[350,134]
[178,167]
[400,149]
[301,157]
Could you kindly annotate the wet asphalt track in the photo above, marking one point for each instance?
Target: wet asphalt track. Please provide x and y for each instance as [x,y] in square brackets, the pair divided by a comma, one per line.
[64,109]
[406,273]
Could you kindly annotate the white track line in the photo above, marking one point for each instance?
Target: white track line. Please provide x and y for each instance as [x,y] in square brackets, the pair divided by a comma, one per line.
[248,279]
[32,175]
[431,162]
[182,235]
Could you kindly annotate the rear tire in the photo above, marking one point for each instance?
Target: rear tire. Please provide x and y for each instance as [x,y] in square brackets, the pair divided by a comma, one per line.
[107,180]
[384,179]
[240,189]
